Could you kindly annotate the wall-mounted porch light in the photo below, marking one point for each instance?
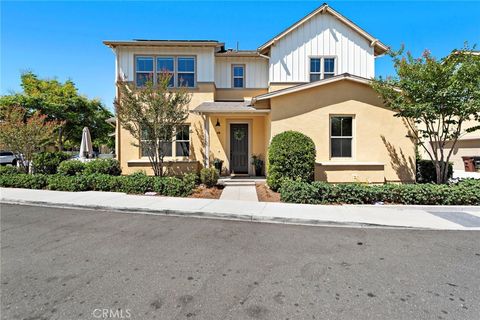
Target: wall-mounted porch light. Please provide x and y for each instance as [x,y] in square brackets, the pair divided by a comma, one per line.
[217,125]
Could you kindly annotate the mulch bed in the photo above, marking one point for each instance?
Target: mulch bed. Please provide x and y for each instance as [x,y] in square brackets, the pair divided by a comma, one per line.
[264,193]
[207,193]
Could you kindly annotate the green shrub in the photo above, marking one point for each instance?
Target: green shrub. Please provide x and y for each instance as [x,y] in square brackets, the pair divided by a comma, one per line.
[105,182]
[462,193]
[190,181]
[103,166]
[69,183]
[426,171]
[298,192]
[209,176]
[48,162]
[22,180]
[291,155]
[71,167]
[9,170]
[137,183]
[175,187]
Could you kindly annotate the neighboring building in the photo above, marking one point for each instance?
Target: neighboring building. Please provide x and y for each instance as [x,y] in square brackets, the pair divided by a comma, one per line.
[313,78]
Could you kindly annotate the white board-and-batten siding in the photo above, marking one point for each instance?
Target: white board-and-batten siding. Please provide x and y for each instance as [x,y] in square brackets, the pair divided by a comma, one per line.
[322,35]
[256,71]
[205,60]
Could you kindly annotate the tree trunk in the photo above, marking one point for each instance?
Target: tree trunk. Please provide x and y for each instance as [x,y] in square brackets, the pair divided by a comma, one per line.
[60,139]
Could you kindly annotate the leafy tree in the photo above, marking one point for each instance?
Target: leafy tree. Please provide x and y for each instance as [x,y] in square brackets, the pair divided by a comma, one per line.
[62,102]
[436,98]
[152,114]
[25,134]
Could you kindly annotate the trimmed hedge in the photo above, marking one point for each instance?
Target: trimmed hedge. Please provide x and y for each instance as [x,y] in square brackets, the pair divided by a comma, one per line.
[291,155]
[103,166]
[209,177]
[465,192]
[71,168]
[426,171]
[48,162]
[137,183]
[9,170]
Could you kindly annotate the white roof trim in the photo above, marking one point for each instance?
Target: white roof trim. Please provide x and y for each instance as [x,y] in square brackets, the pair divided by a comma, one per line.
[300,87]
[325,8]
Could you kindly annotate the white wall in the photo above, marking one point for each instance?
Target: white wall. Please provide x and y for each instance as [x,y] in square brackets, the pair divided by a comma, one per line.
[256,71]
[205,59]
[322,35]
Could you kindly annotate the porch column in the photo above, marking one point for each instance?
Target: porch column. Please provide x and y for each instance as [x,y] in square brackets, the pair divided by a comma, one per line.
[206,125]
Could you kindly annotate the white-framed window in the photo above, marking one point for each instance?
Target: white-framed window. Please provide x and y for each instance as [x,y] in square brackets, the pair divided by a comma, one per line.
[143,70]
[315,69]
[322,68]
[166,67]
[186,72]
[328,67]
[341,136]
[182,141]
[180,147]
[181,69]
[238,76]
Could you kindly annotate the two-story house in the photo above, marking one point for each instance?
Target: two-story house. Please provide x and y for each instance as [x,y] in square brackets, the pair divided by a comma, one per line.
[313,77]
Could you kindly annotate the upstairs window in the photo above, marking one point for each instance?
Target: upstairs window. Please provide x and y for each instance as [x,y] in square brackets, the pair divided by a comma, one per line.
[341,136]
[166,68]
[315,71]
[321,68]
[186,72]
[328,68]
[143,71]
[238,73]
[180,70]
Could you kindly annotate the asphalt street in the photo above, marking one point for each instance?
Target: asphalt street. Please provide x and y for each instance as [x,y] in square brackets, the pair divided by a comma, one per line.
[80,264]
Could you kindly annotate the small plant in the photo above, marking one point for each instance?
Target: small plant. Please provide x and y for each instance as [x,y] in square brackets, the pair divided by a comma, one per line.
[218,164]
[71,167]
[257,162]
[209,177]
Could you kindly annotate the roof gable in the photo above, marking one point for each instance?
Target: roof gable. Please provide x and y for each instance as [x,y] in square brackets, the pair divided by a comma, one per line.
[379,47]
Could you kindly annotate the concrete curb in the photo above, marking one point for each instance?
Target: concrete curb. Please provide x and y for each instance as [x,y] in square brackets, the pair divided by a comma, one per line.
[211,215]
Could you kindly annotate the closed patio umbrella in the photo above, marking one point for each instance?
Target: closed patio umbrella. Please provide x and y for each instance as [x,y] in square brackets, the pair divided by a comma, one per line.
[86,150]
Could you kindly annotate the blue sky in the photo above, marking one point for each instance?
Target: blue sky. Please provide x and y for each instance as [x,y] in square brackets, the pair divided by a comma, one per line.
[64,39]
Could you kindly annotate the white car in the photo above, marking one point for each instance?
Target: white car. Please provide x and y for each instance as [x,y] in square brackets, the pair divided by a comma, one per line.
[8,157]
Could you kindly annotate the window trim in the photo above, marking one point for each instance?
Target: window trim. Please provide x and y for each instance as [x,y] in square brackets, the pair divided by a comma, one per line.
[143,72]
[322,66]
[353,151]
[174,149]
[175,66]
[189,72]
[233,65]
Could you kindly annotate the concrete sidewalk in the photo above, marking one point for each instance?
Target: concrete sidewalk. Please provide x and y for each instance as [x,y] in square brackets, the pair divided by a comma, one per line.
[428,217]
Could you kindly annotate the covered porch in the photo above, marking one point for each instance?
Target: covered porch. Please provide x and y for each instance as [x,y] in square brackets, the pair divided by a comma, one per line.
[233,132]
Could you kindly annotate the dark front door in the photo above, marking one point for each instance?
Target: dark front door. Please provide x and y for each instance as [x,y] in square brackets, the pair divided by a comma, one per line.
[239,148]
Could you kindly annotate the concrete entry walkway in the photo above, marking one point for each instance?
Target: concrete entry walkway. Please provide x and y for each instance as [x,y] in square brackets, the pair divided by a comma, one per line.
[239,188]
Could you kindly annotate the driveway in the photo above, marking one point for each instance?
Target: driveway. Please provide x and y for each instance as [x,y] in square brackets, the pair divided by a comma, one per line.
[77,264]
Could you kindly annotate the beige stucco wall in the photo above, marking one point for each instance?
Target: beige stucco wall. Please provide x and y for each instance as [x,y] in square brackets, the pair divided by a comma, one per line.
[129,155]
[238,94]
[382,152]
